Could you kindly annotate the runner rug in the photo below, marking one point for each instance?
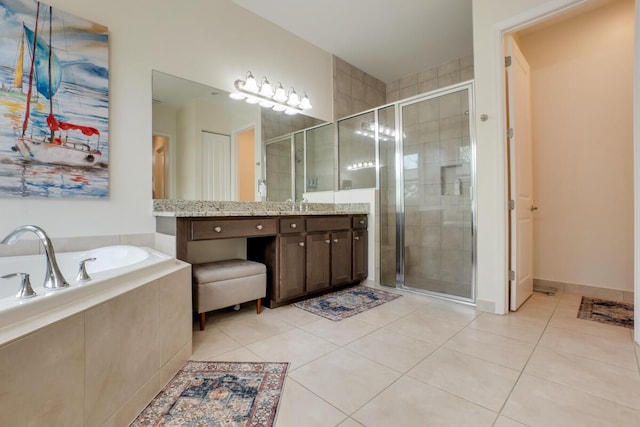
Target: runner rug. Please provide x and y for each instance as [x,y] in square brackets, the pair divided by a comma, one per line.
[218,394]
[605,311]
[340,305]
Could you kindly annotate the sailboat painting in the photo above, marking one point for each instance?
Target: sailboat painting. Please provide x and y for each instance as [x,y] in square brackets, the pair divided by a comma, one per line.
[54,103]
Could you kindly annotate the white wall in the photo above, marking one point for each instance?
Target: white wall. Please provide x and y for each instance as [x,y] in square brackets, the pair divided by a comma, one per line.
[211,42]
[490,19]
[582,112]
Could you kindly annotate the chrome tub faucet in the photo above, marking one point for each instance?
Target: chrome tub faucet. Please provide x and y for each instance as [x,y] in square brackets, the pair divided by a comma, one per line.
[53,277]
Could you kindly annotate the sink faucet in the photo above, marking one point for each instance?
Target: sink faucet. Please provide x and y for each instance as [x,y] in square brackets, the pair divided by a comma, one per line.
[293,204]
[303,204]
[53,277]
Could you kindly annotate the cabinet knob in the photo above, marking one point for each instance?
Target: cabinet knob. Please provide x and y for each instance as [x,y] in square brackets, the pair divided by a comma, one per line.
[301,244]
[335,240]
[327,241]
[294,225]
[217,229]
[361,221]
[356,238]
[259,226]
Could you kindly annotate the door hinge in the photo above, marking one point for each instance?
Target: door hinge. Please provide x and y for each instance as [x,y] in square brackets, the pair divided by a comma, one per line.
[512,275]
[512,204]
[507,61]
[510,132]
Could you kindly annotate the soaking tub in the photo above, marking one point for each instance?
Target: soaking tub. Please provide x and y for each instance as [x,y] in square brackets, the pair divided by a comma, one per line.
[116,270]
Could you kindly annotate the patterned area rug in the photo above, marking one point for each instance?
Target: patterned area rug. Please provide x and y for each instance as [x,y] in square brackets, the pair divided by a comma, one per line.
[346,303]
[605,311]
[218,394]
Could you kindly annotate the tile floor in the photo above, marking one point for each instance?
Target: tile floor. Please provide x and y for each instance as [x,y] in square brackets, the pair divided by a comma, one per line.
[418,361]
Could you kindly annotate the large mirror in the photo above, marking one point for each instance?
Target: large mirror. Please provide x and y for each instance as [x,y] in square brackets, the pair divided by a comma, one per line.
[207,146]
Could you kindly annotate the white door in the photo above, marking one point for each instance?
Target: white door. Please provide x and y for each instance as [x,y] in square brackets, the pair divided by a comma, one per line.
[521,176]
[216,167]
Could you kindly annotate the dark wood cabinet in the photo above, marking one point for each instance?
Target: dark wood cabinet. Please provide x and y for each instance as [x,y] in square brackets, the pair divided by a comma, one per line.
[291,267]
[340,257]
[318,261]
[359,263]
[305,255]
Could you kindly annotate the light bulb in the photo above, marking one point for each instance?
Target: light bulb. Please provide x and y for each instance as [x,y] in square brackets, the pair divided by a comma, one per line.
[305,104]
[266,89]
[266,104]
[290,112]
[236,95]
[280,95]
[278,107]
[250,84]
[252,100]
[294,100]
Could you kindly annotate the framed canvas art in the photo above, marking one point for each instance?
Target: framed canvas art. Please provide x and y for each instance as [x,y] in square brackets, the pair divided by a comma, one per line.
[54,103]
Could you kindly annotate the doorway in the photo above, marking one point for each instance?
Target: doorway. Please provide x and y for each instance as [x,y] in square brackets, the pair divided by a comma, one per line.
[582,155]
[160,167]
[246,165]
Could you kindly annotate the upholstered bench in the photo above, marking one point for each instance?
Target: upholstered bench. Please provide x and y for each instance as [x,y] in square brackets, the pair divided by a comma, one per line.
[222,284]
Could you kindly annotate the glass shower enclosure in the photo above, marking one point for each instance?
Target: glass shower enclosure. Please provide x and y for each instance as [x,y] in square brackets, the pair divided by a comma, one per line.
[427,193]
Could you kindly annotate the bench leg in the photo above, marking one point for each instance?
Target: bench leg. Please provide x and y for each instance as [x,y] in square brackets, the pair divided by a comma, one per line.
[202,321]
[258,305]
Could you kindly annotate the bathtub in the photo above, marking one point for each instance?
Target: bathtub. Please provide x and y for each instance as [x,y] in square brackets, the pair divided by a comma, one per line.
[116,270]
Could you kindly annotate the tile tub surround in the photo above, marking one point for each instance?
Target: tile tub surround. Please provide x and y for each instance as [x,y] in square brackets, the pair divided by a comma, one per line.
[102,365]
[202,208]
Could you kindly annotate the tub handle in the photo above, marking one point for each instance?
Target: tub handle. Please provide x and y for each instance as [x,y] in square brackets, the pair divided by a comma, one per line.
[82,271]
[26,291]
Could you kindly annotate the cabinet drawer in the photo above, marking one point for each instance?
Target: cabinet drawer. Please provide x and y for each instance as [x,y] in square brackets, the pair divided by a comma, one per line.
[291,225]
[329,223]
[360,221]
[226,228]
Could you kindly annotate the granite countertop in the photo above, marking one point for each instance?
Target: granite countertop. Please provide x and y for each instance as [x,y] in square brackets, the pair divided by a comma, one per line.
[205,208]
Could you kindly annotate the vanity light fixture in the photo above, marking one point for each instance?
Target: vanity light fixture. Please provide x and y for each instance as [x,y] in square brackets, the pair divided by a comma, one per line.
[264,95]
[361,165]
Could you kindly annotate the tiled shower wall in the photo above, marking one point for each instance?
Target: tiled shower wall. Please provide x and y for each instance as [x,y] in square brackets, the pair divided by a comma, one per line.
[354,90]
[446,74]
[276,124]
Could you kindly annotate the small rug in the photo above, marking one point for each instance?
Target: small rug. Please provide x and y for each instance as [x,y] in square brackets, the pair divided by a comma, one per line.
[339,305]
[218,394]
[605,311]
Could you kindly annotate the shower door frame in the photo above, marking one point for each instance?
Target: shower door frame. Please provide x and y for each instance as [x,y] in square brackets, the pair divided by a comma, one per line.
[400,206]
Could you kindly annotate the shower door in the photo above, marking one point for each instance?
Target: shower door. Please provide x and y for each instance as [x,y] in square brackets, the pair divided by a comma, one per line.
[435,231]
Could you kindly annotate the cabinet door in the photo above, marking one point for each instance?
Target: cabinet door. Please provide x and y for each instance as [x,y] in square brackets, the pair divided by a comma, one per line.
[360,263]
[318,261]
[340,257]
[291,266]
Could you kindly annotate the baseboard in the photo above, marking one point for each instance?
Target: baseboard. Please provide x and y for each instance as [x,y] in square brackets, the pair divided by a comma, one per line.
[486,306]
[586,290]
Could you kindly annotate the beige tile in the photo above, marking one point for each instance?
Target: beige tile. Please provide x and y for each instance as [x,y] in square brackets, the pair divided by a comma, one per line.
[567,318]
[391,349]
[535,401]
[241,354]
[510,326]
[73,244]
[596,378]
[21,247]
[481,382]
[350,422]
[451,312]
[339,333]
[294,346]
[294,315]
[503,421]
[387,313]
[344,379]
[212,342]
[255,328]
[449,67]
[42,376]
[299,407]
[425,328]
[140,239]
[174,312]
[614,350]
[409,402]
[490,347]
[122,350]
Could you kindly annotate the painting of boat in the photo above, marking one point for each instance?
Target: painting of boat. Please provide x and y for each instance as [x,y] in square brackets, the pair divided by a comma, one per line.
[54,101]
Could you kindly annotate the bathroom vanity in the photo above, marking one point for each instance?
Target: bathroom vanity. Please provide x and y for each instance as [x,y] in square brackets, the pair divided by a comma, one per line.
[308,252]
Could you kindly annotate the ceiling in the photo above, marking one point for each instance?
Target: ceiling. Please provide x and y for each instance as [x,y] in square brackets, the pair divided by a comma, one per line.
[387,39]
